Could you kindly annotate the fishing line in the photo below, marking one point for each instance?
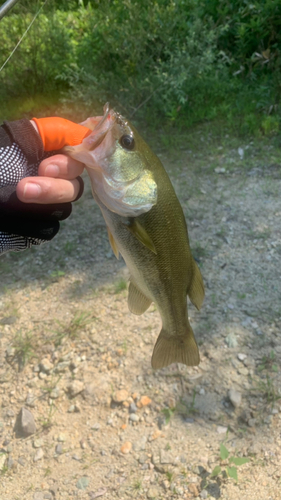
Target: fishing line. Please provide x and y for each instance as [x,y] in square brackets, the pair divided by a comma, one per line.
[21,39]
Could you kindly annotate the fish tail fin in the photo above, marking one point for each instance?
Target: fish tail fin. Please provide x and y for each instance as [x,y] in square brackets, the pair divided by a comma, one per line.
[196,290]
[175,349]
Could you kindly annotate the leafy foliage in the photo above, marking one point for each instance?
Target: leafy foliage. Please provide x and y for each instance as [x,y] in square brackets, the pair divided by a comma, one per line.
[179,61]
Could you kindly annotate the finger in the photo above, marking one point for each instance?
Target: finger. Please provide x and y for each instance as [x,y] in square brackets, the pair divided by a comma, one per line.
[47,190]
[61,166]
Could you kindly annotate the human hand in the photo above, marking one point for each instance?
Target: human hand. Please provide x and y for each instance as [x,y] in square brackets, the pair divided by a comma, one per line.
[56,182]
[57,175]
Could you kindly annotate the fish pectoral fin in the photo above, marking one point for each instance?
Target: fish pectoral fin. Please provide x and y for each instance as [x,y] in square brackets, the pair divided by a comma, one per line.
[175,349]
[138,303]
[113,243]
[134,226]
[196,290]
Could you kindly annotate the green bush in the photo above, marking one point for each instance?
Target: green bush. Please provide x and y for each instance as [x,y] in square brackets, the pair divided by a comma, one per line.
[180,61]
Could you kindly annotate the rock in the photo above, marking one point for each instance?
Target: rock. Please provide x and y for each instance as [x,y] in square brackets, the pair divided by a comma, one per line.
[166,457]
[220,170]
[37,443]
[2,460]
[235,397]
[120,396]
[241,356]
[204,494]
[243,371]
[55,393]
[126,447]
[38,495]
[83,444]
[98,493]
[46,366]
[153,493]
[75,388]
[21,461]
[59,449]
[62,366]
[48,495]
[231,340]
[241,153]
[134,418]
[25,424]
[61,438]
[193,489]
[142,458]
[38,455]
[30,400]
[133,408]
[82,483]
[144,401]
[140,444]
[221,429]
[10,463]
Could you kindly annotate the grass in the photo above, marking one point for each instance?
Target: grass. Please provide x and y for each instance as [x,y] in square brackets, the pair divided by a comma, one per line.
[72,328]
[120,285]
[24,345]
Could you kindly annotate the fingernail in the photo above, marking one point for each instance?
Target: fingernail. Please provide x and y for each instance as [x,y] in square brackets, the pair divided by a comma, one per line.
[31,190]
[52,170]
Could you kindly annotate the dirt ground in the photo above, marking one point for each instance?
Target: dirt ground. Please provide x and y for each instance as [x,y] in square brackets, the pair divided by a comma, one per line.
[72,354]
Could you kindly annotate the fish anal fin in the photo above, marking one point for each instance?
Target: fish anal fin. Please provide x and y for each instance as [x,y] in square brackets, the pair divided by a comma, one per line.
[113,243]
[196,290]
[175,349]
[135,227]
[138,303]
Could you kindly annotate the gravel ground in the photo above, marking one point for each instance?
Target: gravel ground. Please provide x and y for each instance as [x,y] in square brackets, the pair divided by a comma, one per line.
[82,414]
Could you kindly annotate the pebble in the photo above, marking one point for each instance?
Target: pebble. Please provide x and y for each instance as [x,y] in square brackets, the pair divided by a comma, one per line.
[55,393]
[30,400]
[231,340]
[120,396]
[243,371]
[2,460]
[62,366]
[153,493]
[241,356]
[59,449]
[166,457]
[235,397]
[38,455]
[140,444]
[144,401]
[61,438]
[221,429]
[204,494]
[37,443]
[133,408]
[25,423]
[134,418]
[83,444]
[38,495]
[21,461]
[75,388]
[82,483]
[97,494]
[126,447]
[46,366]
[193,489]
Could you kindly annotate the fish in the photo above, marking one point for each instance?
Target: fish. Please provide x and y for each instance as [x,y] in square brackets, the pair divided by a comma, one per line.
[146,225]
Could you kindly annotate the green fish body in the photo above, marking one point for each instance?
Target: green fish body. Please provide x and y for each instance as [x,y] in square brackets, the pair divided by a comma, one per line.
[150,232]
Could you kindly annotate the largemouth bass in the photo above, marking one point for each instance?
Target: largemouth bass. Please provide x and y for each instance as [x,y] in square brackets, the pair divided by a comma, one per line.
[146,224]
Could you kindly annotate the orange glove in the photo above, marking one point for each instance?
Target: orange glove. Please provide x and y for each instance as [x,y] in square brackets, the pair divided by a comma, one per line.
[58,132]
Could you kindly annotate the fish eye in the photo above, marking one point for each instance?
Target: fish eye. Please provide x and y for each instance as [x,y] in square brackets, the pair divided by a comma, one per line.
[127,142]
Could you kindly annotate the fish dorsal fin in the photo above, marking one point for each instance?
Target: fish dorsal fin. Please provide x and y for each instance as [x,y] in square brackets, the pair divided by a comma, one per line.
[134,226]
[175,349]
[138,303]
[196,290]
[113,243]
